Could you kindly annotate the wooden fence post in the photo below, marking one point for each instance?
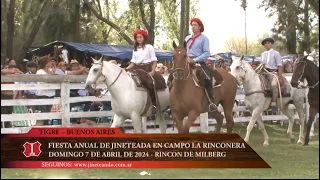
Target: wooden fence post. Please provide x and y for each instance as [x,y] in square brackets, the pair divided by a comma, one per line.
[65,93]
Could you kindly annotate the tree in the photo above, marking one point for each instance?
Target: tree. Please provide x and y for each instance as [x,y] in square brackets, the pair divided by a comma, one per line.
[10,26]
[113,25]
[43,14]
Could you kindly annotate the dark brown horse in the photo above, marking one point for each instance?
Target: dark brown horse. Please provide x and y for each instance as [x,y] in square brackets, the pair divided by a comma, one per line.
[306,69]
[189,99]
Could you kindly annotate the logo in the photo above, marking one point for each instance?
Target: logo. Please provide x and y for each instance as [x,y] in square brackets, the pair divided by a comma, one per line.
[32,149]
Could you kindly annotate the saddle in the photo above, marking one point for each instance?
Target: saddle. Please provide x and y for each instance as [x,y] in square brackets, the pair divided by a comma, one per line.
[199,75]
[266,80]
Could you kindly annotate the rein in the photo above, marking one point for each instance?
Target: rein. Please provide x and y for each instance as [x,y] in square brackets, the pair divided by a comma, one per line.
[301,76]
[107,89]
[174,72]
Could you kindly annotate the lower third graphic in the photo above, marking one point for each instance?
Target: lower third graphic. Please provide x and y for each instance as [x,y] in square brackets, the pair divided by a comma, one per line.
[32,149]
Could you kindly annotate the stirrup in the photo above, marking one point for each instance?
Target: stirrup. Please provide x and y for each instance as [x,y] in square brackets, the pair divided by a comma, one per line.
[212,107]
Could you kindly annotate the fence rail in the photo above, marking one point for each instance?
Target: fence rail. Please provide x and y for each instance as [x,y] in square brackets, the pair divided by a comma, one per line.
[65,83]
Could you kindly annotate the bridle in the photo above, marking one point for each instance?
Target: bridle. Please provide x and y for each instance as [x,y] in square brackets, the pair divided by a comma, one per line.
[301,75]
[104,77]
[175,70]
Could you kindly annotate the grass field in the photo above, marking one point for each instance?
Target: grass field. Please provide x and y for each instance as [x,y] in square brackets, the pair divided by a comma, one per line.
[287,161]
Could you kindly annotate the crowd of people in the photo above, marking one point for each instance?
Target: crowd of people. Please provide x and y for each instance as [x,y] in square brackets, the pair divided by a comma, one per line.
[48,66]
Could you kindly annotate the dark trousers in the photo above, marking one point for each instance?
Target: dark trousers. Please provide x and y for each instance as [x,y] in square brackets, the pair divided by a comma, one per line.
[6,109]
[207,71]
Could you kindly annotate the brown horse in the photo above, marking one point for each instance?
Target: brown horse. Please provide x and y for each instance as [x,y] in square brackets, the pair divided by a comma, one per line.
[306,69]
[189,99]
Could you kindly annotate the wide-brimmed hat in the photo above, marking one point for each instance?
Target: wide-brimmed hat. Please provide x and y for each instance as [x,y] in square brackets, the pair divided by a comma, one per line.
[74,61]
[267,40]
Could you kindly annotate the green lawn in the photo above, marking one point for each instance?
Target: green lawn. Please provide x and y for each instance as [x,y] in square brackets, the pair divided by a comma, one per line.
[287,161]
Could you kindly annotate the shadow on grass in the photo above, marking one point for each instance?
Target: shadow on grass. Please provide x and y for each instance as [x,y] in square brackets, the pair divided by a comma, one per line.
[287,160]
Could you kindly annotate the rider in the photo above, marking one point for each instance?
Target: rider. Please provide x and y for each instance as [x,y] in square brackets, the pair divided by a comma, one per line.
[143,56]
[272,62]
[198,50]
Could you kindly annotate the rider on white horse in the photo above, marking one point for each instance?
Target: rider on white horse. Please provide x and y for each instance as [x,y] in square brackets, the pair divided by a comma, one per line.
[271,59]
[143,56]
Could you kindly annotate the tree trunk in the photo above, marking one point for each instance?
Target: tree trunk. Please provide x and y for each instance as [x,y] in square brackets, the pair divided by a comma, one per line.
[306,29]
[182,22]
[3,48]
[10,30]
[76,21]
[43,14]
[187,17]
[152,22]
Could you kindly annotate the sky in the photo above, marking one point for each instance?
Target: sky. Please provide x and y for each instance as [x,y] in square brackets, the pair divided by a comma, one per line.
[223,19]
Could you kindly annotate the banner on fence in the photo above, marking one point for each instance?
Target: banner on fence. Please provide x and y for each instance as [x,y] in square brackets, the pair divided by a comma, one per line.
[111,148]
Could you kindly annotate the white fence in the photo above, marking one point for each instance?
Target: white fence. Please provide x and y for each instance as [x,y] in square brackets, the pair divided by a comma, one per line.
[65,83]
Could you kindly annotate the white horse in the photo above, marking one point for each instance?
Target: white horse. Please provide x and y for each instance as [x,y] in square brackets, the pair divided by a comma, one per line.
[256,102]
[128,102]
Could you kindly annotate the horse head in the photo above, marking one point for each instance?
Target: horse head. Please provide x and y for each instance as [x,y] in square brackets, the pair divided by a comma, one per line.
[240,69]
[95,73]
[62,53]
[180,63]
[299,68]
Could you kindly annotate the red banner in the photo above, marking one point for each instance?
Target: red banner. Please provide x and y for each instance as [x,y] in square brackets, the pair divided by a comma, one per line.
[111,148]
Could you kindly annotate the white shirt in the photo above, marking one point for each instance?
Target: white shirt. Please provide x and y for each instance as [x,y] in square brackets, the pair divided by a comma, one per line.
[48,93]
[144,55]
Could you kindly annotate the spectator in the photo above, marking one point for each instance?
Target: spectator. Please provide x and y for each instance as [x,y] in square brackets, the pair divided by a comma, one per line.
[8,94]
[32,68]
[161,68]
[76,67]
[45,68]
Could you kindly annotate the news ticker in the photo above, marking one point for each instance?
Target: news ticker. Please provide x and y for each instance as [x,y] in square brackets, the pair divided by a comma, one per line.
[111,148]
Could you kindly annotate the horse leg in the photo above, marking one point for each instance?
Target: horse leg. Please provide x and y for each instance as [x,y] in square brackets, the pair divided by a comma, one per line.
[255,115]
[312,115]
[160,119]
[228,114]
[263,131]
[192,116]
[312,130]
[179,122]
[117,121]
[290,115]
[299,109]
[136,121]
[219,118]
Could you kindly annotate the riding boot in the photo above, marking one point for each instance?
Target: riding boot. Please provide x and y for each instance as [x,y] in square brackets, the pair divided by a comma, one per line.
[153,100]
[209,88]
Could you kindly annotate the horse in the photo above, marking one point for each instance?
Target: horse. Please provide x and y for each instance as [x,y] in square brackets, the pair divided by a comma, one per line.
[257,101]
[61,52]
[188,95]
[128,100]
[305,68]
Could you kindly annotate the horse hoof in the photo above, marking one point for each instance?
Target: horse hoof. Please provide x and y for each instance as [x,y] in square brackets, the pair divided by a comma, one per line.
[299,142]
[265,145]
